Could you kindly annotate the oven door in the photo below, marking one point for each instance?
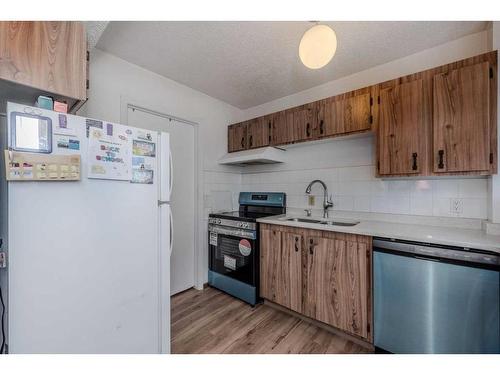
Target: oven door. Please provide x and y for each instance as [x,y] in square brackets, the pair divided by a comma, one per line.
[234,253]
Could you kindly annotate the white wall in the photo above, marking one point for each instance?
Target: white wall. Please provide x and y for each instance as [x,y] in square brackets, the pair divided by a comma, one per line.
[114,81]
[348,165]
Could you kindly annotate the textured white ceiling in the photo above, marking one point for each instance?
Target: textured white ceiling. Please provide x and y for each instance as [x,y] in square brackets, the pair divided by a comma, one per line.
[250,63]
[94,32]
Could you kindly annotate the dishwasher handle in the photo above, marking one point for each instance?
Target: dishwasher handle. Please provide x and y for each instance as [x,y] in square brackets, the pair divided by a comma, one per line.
[437,252]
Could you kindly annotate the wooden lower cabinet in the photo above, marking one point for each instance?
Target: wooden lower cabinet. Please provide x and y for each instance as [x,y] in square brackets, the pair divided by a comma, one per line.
[330,281]
[337,282]
[281,268]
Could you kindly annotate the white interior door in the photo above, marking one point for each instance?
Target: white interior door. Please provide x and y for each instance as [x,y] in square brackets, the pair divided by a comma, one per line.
[182,137]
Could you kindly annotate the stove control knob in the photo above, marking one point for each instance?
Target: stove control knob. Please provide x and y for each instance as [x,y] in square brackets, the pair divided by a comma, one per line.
[240,225]
[219,221]
[244,225]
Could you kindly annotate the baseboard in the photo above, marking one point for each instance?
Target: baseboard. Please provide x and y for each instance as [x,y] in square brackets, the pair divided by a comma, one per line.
[322,325]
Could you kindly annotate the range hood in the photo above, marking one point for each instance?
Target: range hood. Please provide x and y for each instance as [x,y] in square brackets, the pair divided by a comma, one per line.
[263,155]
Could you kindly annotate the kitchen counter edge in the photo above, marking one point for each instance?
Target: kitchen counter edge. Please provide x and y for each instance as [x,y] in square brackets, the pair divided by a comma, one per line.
[467,238]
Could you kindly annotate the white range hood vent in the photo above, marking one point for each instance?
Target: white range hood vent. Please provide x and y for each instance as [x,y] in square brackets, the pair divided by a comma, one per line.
[263,155]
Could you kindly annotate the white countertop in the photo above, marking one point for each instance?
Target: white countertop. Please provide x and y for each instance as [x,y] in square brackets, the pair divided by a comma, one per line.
[471,238]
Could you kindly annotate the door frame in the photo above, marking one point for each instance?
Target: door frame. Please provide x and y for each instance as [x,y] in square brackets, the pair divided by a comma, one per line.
[127,103]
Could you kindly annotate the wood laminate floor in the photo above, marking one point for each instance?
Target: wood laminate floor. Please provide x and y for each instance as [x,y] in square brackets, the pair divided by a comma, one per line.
[211,321]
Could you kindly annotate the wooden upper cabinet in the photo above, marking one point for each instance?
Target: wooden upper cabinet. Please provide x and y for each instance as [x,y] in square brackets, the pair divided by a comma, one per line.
[281,268]
[461,121]
[48,55]
[258,132]
[338,282]
[344,114]
[237,137]
[282,128]
[304,121]
[403,128]
[439,121]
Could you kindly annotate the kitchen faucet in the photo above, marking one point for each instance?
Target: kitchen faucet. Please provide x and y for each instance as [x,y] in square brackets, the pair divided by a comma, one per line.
[327,203]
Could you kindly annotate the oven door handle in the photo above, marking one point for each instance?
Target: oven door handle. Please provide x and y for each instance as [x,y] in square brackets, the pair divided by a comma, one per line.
[252,235]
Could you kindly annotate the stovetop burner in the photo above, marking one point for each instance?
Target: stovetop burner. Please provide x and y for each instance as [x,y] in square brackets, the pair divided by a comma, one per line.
[240,215]
[254,206]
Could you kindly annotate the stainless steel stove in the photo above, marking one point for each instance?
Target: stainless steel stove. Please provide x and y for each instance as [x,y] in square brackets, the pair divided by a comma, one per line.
[234,244]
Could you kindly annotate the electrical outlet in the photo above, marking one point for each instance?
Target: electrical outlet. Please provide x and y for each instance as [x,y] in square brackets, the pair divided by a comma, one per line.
[311,200]
[456,206]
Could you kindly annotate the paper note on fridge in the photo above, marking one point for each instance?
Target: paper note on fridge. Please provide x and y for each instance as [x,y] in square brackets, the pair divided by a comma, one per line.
[109,155]
[144,148]
[142,176]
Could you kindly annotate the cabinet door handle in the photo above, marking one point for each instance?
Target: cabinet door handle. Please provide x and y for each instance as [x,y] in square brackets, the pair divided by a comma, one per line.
[321,127]
[296,244]
[441,159]
[242,142]
[414,165]
[250,140]
[269,126]
[308,129]
[311,246]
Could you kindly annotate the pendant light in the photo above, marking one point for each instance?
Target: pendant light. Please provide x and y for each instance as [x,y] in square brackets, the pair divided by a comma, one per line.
[317,46]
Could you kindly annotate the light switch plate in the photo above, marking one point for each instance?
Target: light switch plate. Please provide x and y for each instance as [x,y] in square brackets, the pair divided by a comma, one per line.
[311,200]
[456,206]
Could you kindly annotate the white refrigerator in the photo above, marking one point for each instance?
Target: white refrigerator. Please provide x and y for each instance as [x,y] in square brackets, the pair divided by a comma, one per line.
[88,254]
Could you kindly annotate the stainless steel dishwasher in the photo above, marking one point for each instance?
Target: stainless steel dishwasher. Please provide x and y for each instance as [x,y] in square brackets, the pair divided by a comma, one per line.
[435,299]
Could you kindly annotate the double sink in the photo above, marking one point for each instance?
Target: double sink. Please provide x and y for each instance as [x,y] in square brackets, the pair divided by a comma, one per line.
[344,223]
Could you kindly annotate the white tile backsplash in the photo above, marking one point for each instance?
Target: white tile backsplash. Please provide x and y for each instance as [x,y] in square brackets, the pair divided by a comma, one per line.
[352,193]
[362,203]
[220,191]
[445,188]
[472,188]
[380,204]
[421,203]
[348,169]
[407,197]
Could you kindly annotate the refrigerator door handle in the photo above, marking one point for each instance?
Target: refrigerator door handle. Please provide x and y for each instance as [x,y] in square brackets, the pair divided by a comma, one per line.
[171,174]
[171,231]
[165,166]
